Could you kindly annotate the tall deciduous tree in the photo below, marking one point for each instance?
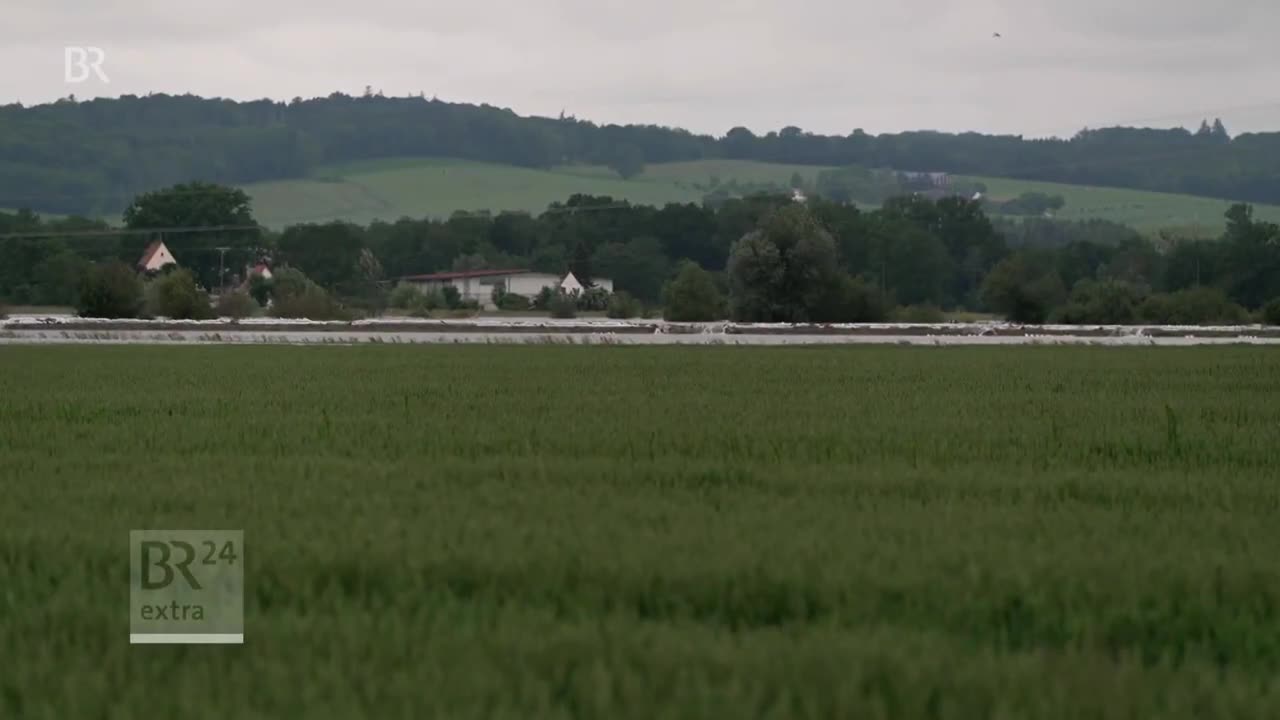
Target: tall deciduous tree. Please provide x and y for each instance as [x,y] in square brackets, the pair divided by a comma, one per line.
[1252,258]
[692,296]
[1022,290]
[196,204]
[199,205]
[637,267]
[784,271]
[328,253]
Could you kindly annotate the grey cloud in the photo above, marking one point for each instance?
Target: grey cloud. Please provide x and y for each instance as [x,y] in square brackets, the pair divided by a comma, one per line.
[825,65]
[1148,18]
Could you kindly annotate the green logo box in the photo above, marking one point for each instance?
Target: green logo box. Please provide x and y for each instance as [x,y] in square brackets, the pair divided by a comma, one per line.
[186,586]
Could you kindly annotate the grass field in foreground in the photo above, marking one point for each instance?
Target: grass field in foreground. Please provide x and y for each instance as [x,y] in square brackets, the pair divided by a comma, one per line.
[653,532]
[426,187]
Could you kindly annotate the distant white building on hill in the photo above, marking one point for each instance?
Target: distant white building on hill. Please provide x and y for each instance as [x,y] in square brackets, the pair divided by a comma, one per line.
[936,179]
[156,256]
[478,285]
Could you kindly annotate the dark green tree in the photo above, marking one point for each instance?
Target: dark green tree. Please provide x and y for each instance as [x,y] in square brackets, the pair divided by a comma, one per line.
[221,215]
[57,279]
[638,267]
[784,271]
[1251,258]
[1271,312]
[692,296]
[294,295]
[196,204]
[622,306]
[237,305]
[1219,132]
[1103,302]
[581,264]
[110,290]
[329,253]
[1021,290]
[1193,306]
[177,296]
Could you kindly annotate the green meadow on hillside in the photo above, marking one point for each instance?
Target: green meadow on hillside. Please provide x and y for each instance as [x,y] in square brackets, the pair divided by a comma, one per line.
[426,187]
[1141,209]
[743,171]
[392,189]
[422,187]
[437,187]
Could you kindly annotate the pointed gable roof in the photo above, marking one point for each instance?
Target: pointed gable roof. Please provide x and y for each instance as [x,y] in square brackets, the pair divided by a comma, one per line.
[156,248]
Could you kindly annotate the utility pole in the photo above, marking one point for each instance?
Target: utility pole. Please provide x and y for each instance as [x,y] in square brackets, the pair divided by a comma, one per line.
[222,272]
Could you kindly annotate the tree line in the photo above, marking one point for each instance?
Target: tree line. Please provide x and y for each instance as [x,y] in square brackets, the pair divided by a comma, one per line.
[761,258]
[92,157]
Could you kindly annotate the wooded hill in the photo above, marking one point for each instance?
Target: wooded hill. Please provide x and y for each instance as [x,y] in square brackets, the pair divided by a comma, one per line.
[92,157]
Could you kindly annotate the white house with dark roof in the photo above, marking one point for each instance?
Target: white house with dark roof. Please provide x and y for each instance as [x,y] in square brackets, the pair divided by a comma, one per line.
[478,285]
[156,256]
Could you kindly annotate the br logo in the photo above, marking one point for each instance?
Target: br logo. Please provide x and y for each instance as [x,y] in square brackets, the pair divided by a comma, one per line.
[78,62]
[160,556]
[186,586]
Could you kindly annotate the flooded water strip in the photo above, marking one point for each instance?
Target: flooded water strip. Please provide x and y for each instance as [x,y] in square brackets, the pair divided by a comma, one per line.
[246,336]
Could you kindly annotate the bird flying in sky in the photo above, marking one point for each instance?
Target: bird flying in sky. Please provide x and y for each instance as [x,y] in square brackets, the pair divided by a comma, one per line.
[996,35]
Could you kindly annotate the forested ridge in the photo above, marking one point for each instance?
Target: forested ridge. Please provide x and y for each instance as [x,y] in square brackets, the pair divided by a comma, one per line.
[92,157]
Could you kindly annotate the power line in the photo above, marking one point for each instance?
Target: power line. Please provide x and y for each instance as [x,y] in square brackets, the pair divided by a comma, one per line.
[192,230]
[130,195]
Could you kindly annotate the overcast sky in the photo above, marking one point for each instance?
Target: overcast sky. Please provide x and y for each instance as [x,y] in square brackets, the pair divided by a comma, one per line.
[825,65]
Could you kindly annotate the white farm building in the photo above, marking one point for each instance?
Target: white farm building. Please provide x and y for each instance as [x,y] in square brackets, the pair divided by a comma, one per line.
[478,285]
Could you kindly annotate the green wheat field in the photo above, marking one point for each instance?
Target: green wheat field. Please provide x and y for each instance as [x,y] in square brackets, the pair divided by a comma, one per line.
[564,532]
